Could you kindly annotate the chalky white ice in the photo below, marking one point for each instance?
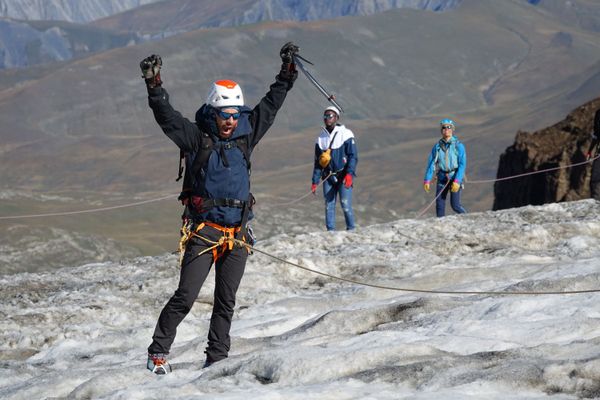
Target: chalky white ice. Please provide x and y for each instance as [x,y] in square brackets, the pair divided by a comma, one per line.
[82,332]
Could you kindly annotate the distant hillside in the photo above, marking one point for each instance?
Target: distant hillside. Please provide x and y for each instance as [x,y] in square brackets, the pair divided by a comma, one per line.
[166,18]
[24,44]
[582,13]
[66,10]
[27,43]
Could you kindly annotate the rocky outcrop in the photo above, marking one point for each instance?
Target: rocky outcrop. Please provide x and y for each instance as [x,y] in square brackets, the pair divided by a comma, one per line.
[558,146]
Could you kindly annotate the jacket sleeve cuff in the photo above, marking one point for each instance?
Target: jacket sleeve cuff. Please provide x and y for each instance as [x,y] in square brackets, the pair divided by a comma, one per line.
[154,91]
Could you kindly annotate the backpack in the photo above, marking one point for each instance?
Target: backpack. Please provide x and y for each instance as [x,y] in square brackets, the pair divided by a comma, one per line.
[453,146]
[190,163]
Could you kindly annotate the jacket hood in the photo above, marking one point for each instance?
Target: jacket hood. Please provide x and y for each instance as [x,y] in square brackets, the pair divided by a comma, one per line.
[205,119]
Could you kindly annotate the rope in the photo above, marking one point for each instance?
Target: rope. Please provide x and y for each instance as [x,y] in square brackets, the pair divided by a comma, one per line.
[303,196]
[56,214]
[139,203]
[432,201]
[535,172]
[415,290]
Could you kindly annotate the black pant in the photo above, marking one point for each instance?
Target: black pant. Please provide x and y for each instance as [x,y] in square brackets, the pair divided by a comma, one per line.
[229,270]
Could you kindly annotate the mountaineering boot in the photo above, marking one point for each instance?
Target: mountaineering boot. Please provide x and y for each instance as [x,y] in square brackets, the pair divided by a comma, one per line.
[158,364]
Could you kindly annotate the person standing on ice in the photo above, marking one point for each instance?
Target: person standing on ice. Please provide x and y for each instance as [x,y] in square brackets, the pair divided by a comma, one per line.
[449,158]
[336,157]
[217,202]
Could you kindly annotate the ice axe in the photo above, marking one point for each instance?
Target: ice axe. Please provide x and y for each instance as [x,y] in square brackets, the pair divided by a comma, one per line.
[330,97]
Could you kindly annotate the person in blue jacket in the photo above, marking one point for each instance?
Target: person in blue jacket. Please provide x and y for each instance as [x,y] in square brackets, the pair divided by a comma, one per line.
[216,195]
[336,157]
[449,158]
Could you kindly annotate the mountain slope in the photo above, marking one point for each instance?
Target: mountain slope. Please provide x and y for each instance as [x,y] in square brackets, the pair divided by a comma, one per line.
[166,18]
[84,130]
[66,10]
[24,44]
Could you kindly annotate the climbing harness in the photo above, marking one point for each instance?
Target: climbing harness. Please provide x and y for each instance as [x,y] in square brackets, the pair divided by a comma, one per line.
[243,232]
[226,242]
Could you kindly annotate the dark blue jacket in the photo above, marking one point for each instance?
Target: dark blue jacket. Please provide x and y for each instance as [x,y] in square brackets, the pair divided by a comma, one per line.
[226,173]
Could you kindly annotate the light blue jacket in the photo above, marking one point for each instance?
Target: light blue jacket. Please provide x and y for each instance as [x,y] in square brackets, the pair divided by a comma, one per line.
[449,159]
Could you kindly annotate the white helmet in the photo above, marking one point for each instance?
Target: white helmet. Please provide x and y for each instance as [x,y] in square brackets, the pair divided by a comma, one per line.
[225,93]
[334,109]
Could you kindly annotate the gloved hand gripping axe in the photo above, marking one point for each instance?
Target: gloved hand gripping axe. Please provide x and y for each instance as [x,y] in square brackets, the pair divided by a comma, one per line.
[330,97]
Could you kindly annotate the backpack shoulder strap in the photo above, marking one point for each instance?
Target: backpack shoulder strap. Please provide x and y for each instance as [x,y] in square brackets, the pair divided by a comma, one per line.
[206,147]
[332,139]
[243,144]
[437,153]
[181,168]
[455,147]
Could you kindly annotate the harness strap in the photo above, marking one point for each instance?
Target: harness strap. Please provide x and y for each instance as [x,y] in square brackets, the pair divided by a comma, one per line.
[223,202]
[186,234]
[245,215]
[226,242]
[201,204]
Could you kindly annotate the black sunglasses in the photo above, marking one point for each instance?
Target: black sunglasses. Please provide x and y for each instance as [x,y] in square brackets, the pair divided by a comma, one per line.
[226,115]
[447,127]
[329,116]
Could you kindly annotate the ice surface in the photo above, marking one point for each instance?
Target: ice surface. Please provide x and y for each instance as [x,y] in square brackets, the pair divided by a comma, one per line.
[82,332]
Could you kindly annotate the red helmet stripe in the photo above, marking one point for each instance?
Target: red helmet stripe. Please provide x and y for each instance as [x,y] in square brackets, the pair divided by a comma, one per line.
[226,83]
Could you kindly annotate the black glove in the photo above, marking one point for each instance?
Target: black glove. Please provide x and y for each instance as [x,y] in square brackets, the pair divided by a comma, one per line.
[288,67]
[150,67]
[287,51]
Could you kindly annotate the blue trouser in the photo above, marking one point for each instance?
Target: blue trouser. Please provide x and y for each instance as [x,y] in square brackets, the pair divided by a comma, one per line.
[440,202]
[330,193]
